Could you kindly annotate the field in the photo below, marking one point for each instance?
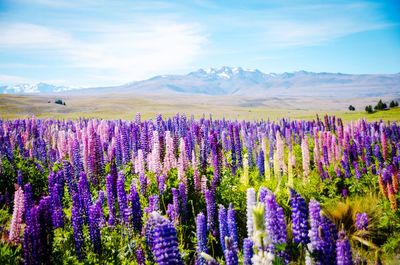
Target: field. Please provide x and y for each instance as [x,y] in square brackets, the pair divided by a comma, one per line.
[126,106]
[179,190]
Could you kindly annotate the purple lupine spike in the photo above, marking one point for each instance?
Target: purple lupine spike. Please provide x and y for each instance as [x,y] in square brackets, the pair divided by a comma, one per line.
[69,177]
[176,204]
[171,213]
[77,224]
[232,229]
[260,164]
[183,196]
[28,201]
[57,210]
[19,179]
[140,257]
[262,193]
[163,240]
[154,204]
[230,252]
[343,250]
[247,251]
[110,199]
[357,170]
[99,204]
[223,226]
[143,183]
[274,220]
[95,213]
[299,218]
[315,223]
[161,183]
[211,207]
[122,199]
[201,237]
[362,221]
[85,196]
[329,234]
[136,209]
[46,228]
[378,154]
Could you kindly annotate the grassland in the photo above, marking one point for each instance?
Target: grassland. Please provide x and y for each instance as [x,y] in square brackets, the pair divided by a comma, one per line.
[126,106]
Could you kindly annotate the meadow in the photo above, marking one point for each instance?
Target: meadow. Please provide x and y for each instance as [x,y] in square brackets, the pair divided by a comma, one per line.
[180,190]
[121,106]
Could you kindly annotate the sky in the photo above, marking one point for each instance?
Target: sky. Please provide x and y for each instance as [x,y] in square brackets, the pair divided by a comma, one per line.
[101,42]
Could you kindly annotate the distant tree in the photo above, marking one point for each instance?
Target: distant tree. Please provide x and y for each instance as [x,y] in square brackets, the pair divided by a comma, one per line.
[369,109]
[393,104]
[59,101]
[380,105]
[352,108]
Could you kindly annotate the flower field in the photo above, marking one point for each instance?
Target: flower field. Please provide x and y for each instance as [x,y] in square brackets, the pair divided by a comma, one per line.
[181,190]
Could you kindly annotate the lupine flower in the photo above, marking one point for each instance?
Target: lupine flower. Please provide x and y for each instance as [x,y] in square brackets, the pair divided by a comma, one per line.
[57,210]
[19,178]
[169,158]
[232,229]
[164,242]
[28,201]
[299,218]
[136,209]
[260,164]
[262,255]
[315,223]
[77,224]
[362,221]
[223,226]
[140,257]
[95,213]
[122,199]
[305,156]
[211,207]
[176,204]
[84,194]
[201,237]
[183,196]
[110,200]
[154,204]
[18,211]
[274,220]
[343,250]
[378,154]
[230,252]
[250,203]
[247,251]
[161,183]
[392,197]
[143,183]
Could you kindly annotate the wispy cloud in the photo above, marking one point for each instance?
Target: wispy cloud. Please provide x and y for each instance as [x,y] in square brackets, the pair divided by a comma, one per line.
[124,52]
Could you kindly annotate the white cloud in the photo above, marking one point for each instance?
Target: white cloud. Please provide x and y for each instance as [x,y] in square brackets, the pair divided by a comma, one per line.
[285,33]
[120,53]
[13,79]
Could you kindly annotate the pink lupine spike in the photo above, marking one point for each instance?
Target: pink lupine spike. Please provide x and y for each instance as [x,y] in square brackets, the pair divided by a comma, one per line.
[15,226]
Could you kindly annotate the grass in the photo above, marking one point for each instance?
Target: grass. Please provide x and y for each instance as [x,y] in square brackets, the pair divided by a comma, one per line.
[126,107]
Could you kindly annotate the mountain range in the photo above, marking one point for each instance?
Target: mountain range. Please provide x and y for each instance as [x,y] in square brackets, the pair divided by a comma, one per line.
[242,82]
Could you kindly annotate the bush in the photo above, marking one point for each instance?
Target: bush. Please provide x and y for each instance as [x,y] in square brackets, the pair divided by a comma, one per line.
[352,108]
[393,104]
[369,109]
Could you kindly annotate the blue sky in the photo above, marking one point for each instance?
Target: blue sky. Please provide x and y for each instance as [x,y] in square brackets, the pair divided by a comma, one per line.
[96,43]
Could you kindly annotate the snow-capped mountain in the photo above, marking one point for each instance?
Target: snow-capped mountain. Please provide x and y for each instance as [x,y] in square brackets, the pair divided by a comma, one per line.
[32,88]
[244,82]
